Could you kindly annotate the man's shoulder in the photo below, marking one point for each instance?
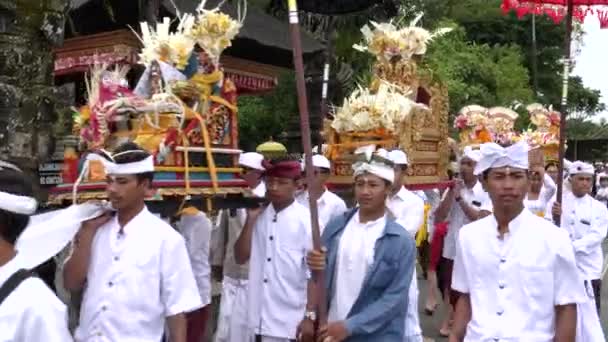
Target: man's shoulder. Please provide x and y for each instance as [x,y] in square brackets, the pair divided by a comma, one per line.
[399,233]
[33,295]
[158,228]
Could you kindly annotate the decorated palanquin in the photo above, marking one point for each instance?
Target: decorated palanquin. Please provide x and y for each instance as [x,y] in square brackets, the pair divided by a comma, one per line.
[183,111]
[478,125]
[404,106]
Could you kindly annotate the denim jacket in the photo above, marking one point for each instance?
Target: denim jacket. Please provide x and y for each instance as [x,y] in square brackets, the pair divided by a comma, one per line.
[378,314]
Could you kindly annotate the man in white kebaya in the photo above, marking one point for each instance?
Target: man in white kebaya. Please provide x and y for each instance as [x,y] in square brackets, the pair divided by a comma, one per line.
[29,311]
[329,205]
[134,267]
[515,271]
[233,316]
[586,221]
[275,241]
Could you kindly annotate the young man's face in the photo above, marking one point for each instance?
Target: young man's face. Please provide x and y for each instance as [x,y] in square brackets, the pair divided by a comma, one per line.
[251,176]
[321,176]
[400,172]
[467,166]
[581,184]
[507,187]
[371,191]
[537,174]
[125,191]
[552,172]
[280,190]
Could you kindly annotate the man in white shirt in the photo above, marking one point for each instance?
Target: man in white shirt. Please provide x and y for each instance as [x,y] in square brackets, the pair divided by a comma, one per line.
[233,321]
[408,209]
[515,271]
[370,263]
[195,227]
[29,310]
[134,267]
[465,202]
[586,221]
[329,204]
[275,241]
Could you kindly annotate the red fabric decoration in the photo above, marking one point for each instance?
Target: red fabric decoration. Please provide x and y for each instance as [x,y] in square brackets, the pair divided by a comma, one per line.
[284,169]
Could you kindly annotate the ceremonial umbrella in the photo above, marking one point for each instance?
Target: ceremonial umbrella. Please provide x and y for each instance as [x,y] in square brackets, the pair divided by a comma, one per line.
[558,10]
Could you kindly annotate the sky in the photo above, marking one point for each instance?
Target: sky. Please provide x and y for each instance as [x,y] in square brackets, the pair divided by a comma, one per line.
[591,62]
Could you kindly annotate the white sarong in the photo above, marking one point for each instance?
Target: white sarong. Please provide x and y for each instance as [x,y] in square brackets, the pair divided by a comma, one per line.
[232,320]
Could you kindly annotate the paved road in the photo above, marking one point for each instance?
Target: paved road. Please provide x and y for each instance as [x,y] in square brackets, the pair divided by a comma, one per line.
[430,325]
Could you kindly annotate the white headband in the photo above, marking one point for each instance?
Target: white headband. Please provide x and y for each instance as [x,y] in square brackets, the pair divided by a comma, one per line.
[134,168]
[18,204]
[470,153]
[373,165]
[495,156]
[579,168]
[15,203]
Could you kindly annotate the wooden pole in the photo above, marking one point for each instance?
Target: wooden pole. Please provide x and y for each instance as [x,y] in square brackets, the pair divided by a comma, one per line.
[564,104]
[298,62]
[326,72]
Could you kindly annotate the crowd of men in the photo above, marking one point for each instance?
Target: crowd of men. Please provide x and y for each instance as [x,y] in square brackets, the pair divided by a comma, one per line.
[504,269]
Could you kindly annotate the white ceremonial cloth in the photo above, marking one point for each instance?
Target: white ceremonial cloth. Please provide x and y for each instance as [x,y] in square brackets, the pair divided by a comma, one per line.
[196,230]
[278,273]
[588,325]
[408,209]
[355,257]
[539,206]
[475,197]
[49,233]
[515,283]
[586,221]
[232,320]
[135,280]
[31,312]
[329,206]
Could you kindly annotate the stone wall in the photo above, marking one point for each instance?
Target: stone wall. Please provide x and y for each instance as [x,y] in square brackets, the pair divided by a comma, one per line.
[28,31]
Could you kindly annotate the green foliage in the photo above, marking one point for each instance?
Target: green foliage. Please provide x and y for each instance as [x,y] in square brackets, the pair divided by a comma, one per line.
[267,116]
[479,73]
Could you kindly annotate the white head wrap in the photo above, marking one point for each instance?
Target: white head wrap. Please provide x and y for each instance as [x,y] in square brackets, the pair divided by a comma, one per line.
[374,164]
[318,160]
[495,156]
[579,167]
[252,160]
[470,153]
[398,157]
[14,203]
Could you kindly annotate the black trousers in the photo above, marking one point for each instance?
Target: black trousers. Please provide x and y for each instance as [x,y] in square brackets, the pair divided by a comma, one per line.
[597,291]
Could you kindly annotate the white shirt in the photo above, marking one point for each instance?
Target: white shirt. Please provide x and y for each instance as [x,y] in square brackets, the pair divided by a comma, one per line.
[329,206]
[277,271]
[475,197]
[135,280]
[586,221]
[355,257]
[31,313]
[539,206]
[515,283]
[408,209]
[196,230]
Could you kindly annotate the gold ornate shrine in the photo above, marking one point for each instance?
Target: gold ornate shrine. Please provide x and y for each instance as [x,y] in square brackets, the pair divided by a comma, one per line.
[422,132]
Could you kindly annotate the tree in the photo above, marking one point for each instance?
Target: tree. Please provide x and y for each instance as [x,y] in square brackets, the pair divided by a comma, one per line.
[479,73]
[28,31]
[267,116]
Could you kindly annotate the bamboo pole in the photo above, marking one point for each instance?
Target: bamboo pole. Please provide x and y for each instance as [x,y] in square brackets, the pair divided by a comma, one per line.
[319,277]
[562,127]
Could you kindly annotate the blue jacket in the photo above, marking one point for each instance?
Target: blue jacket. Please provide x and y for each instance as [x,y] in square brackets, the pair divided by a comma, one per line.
[378,314]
